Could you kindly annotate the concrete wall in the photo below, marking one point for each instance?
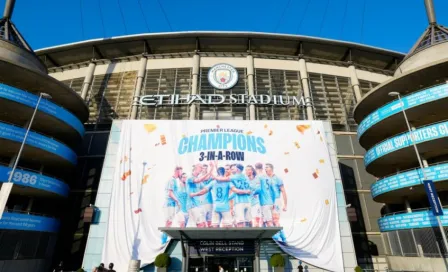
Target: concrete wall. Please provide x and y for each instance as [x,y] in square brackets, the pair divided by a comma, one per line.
[398,263]
[424,57]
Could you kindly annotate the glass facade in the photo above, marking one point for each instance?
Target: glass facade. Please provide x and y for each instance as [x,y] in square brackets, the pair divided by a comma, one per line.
[161,82]
[21,245]
[110,96]
[363,212]
[278,82]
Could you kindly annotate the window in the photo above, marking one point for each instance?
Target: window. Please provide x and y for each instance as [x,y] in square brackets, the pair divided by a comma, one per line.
[110,96]
[166,82]
[278,82]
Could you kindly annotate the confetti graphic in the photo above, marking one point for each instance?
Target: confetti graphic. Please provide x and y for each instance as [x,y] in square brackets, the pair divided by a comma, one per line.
[184,136]
[125,175]
[303,220]
[327,202]
[286,153]
[249,132]
[265,126]
[315,175]
[163,139]
[150,127]
[157,144]
[145,179]
[270,132]
[317,171]
[302,128]
[138,211]
[297,144]
[322,161]
[286,170]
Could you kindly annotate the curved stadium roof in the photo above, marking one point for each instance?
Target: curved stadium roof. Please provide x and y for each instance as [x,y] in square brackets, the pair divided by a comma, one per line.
[175,44]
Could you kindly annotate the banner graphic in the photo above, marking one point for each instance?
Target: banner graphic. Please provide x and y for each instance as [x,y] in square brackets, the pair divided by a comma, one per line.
[413,220]
[46,106]
[409,101]
[220,174]
[34,180]
[409,178]
[19,221]
[17,134]
[423,134]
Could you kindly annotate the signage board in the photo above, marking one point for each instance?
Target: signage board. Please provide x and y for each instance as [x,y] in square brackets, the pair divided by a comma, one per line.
[37,140]
[18,221]
[222,247]
[435,173]
[30,100]
[403,140]
[408,101]
[219,99]
[34,180]
[433,198]
[413,220]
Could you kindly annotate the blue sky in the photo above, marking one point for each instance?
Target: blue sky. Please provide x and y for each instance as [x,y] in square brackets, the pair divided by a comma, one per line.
[391,24]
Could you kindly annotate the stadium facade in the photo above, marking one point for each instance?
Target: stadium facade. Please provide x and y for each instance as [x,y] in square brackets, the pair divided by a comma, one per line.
[326,77]
[419,88]
[41,174]
[165,76]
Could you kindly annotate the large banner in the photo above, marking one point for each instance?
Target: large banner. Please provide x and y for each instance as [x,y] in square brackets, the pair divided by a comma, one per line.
[214,174]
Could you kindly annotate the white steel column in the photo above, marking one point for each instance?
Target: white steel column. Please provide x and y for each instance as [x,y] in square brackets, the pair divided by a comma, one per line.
[9,7]
[138,87]
[194,84]
[430,12]
[14,158]
[355,82]
[408,205]
[306,89]
[250,84]
[30,204]
[88,80]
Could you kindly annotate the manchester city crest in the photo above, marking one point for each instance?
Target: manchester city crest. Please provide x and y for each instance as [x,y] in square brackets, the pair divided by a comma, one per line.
[222,76]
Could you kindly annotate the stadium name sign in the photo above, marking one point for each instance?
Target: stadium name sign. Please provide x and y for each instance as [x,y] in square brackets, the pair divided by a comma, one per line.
[219,99]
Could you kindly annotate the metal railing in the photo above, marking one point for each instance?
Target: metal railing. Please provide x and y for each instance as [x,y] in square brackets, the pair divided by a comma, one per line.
[424,242]
[410,169]
[36,132]
[412,210]
[407,132]
[34,171]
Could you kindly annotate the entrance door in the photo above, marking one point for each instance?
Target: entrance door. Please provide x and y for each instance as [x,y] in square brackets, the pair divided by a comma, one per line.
[229,264]
[196,265]
[245,264]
